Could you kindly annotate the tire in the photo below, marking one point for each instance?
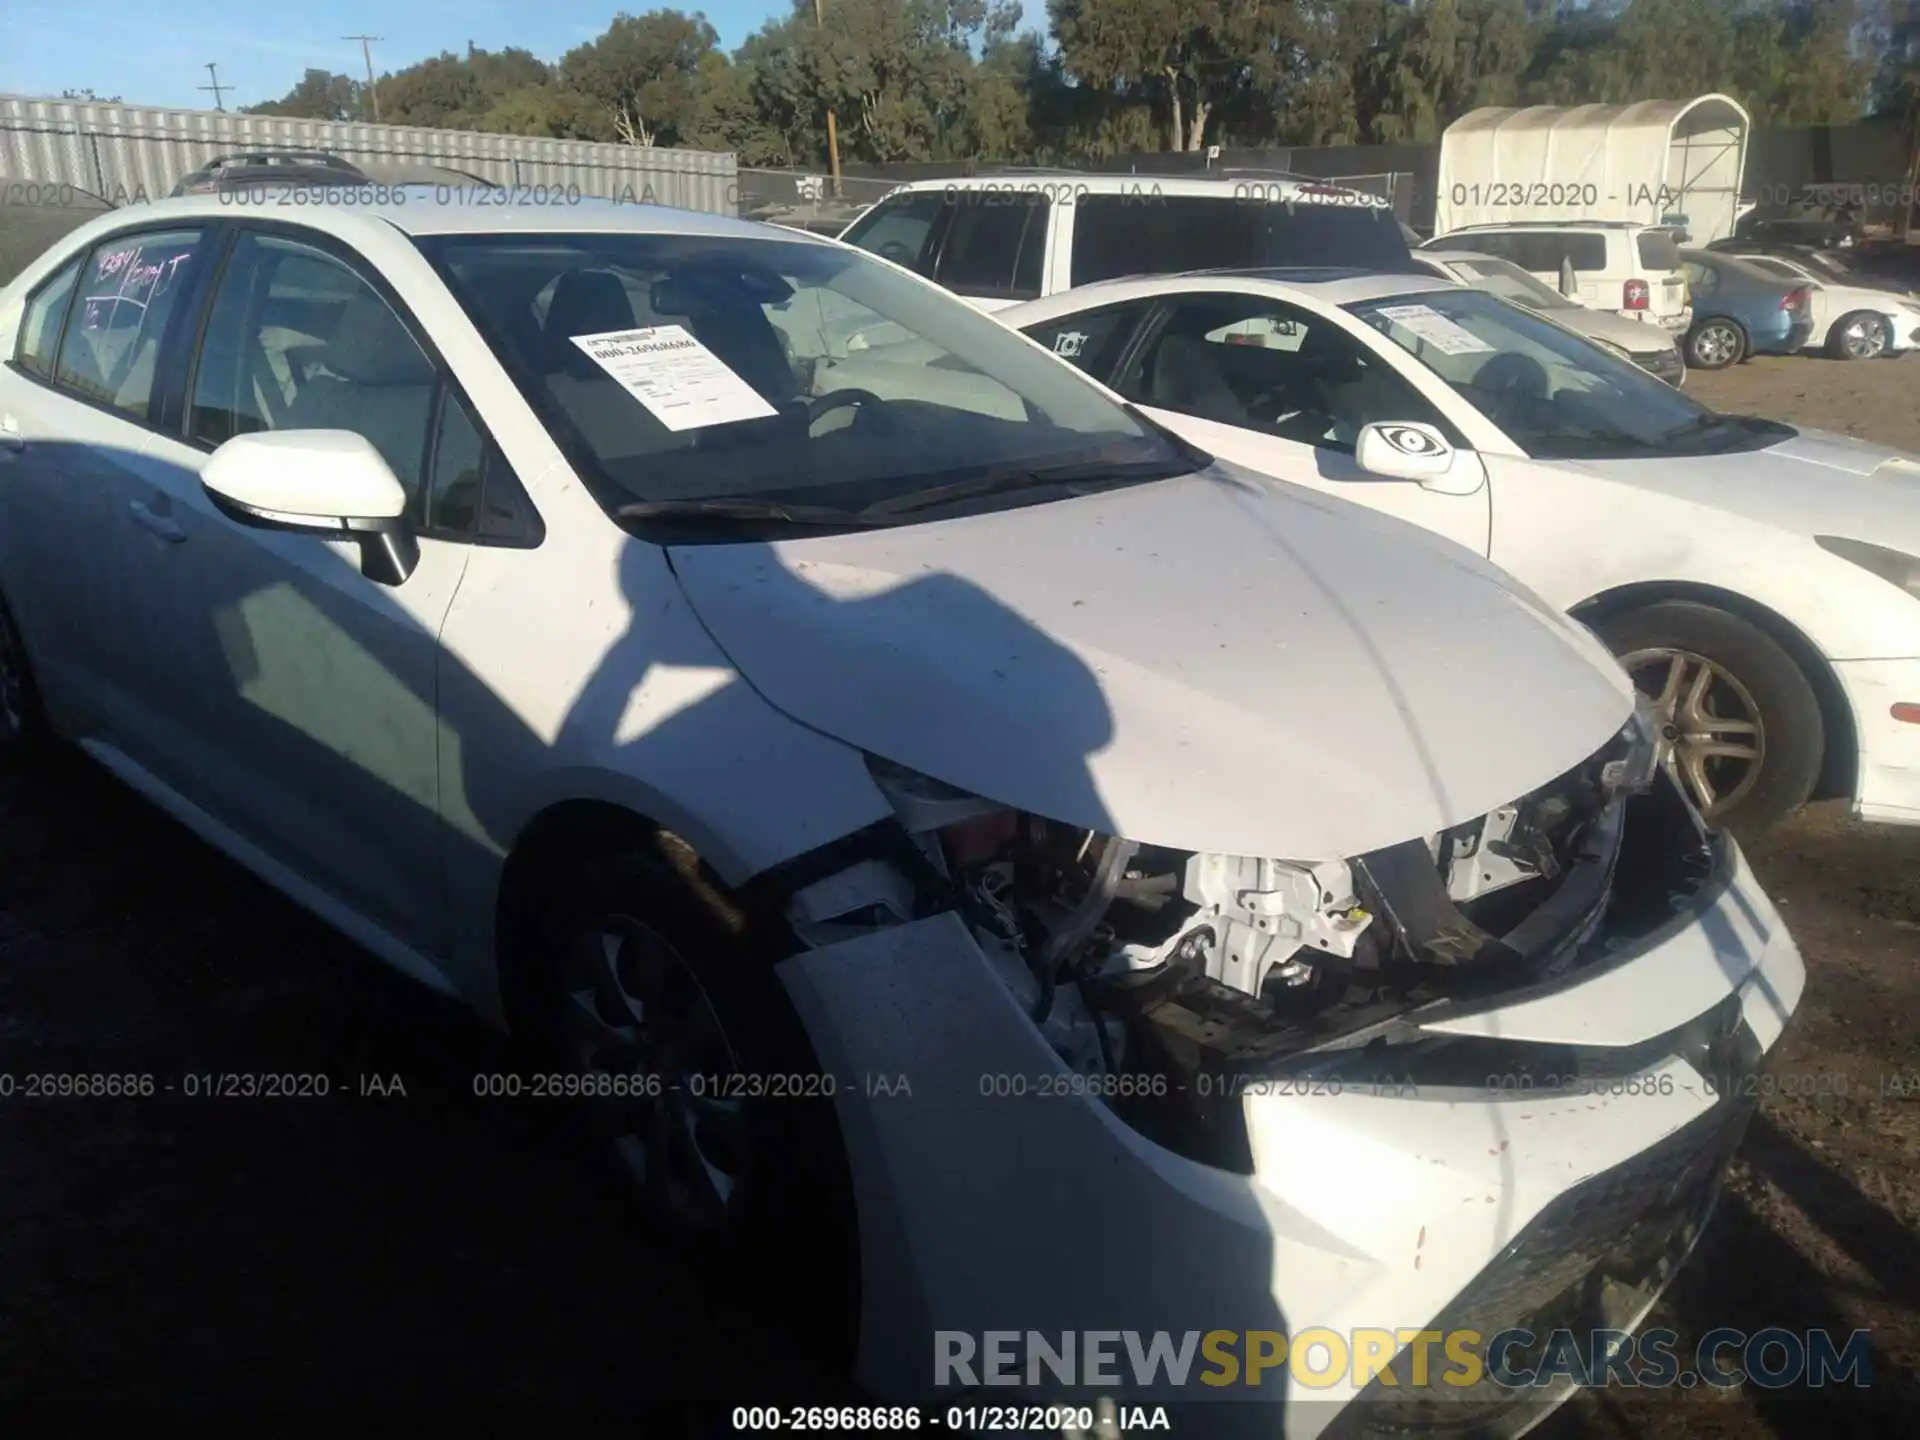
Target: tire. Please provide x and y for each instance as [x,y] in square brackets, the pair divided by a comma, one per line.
[791,1211]
[1715,344]
[23,724]
[1754,675]
[1861,335]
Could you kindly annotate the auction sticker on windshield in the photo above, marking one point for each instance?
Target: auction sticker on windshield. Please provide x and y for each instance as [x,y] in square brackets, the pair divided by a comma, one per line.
[683,384]
[1434,328]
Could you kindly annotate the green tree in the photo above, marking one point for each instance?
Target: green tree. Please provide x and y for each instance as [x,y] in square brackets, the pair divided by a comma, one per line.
[318,96]
[1443,59]
[645,73]
[1189,56]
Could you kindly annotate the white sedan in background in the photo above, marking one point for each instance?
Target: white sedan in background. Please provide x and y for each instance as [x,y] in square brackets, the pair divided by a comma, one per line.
[998,864]
[1850,321]
[1652,348]
[1759,581]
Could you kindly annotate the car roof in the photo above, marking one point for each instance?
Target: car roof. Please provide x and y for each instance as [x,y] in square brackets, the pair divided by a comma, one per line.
[438,210]
[1237,186]
[1553,225]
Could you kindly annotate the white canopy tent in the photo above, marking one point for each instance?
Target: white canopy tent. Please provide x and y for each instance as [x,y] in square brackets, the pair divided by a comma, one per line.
[1650,162]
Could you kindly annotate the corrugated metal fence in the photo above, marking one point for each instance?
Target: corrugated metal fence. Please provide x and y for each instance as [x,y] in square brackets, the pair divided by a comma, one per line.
[129,152]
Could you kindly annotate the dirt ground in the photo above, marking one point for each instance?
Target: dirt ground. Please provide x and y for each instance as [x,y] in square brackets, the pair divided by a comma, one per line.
[1870,399]
[427,1249]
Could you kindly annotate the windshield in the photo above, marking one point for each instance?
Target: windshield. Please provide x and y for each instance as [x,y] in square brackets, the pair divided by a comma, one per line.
[1558,395]
[731,376]
[1509,281]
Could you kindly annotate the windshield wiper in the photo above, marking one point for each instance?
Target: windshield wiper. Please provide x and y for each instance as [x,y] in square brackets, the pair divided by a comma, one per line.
[742,508]
[1705,421]
[1086,475]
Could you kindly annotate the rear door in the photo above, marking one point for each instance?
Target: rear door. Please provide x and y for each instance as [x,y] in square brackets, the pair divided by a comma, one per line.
[82,543]
[1284,391]
[993,249]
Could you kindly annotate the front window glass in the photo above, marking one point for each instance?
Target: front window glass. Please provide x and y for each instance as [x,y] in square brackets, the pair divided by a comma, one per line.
[1557,395]
[1258,364]
[297,340]
[898,229]
[720,375]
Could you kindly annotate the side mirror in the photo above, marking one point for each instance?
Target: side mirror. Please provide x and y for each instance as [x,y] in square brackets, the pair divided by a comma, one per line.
[1409,450]
[1569,277]
[317,482]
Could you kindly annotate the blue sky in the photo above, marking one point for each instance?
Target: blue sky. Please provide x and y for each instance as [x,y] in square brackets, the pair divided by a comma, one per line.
[159,58]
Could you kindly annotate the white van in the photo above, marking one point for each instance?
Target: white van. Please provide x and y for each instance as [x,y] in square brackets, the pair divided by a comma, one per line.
[1018,235]
[1618,265]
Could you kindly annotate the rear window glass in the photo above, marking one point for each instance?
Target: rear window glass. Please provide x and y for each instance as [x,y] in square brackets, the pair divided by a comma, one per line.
[1542,251]
[1151,234]
[1658,251]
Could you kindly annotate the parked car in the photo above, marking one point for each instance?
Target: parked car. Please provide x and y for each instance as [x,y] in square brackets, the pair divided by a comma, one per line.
[1876,265]
[316,169]
[1001,239]
[1814,219]
[1850,322]
[1757,580]
[898,817]
[1629,269]
[1651,348]
[1740,311]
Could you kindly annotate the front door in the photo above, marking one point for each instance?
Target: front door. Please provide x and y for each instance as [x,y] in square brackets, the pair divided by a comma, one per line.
[307,689]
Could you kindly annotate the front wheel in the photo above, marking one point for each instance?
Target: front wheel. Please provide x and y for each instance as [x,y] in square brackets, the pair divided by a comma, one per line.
[1859,336]
[1715,344]
[1739,725]
[689,1078]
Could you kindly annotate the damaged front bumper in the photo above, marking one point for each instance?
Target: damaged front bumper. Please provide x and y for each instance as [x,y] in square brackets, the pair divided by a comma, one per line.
[1483,1163]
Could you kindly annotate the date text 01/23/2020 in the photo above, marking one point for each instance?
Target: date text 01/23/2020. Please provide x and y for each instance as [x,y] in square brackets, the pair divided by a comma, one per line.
[1051,1420]
[199,1085]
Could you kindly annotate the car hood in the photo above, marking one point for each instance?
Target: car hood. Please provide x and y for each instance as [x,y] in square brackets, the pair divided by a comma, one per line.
[1629,335]
[1816,483]
[1215,662]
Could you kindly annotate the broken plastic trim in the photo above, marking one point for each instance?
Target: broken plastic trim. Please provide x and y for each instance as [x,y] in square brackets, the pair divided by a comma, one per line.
[886,841]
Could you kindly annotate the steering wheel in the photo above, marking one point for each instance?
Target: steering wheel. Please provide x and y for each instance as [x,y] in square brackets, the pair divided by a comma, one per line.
[869,404]
[1520,376]
[899,252]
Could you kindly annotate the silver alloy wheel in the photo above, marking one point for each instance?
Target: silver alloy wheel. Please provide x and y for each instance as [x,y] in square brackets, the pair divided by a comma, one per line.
[1717,755]
[13,685]
[653,1061]
[1864,338]
[1716,344]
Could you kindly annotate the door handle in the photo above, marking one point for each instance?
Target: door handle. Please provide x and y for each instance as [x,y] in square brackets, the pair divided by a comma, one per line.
[155,524]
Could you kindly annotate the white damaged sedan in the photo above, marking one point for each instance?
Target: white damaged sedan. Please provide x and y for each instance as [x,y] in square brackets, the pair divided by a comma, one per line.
[924,815]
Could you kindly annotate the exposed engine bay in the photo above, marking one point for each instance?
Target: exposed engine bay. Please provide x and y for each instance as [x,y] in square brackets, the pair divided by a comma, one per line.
[1210,968]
